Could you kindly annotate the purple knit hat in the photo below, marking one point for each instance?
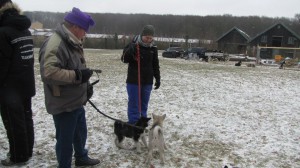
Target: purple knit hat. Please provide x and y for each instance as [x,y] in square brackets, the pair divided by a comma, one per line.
[80,19]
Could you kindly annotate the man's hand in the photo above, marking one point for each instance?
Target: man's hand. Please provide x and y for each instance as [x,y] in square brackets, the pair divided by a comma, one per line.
[157,85]
[83,74]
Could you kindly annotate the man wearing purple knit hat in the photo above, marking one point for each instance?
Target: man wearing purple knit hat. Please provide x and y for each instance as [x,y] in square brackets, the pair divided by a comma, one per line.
[80,19]
[66,82]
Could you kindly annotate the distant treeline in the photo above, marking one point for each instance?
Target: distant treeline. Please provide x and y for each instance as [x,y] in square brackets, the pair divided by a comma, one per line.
[177,26]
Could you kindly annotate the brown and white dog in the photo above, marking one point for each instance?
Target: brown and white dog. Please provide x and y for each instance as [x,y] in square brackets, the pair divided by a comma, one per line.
[156,138]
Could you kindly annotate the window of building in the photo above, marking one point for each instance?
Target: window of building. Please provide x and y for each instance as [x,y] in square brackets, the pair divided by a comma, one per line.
[264,39]
[277,41]
[278,27]
[291,40]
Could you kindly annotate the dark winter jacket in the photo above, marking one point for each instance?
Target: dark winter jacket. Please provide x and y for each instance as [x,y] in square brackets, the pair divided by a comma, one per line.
[149,63]
[59,56]
[16,53]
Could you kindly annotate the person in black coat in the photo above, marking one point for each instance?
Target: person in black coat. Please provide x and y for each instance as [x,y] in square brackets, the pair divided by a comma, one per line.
[281,64]
[17,85]
[141,51]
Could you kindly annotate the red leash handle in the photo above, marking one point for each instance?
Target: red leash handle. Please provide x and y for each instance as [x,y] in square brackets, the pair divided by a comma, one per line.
[139,76]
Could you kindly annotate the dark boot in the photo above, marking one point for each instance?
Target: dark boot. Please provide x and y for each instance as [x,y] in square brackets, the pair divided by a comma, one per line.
[8,162]
[86,162]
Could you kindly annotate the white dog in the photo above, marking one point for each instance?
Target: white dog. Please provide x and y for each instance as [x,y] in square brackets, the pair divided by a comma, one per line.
[156,138]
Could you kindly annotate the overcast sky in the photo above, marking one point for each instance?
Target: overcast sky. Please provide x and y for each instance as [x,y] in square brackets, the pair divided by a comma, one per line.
[269,8]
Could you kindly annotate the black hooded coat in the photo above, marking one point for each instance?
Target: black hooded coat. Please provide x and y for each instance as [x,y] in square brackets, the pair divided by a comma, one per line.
[16,55]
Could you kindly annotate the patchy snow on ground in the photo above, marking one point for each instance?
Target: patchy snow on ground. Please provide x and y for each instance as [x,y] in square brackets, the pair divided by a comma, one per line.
[217,114]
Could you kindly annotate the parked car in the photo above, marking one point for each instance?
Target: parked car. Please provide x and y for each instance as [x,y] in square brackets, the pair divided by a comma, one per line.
[173,52]
[199,51]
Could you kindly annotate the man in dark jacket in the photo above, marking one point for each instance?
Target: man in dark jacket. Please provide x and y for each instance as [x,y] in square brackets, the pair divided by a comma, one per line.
[17,85]
[143,66]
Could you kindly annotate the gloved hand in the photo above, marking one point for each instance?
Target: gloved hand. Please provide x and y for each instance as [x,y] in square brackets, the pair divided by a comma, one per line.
[157,84]
[90,91]
[85,74]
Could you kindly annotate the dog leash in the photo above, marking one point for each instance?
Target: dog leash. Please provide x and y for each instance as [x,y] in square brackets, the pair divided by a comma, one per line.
[91,103]
[137,56]
[124,123]
[97,71]
[139,78]
[139,92]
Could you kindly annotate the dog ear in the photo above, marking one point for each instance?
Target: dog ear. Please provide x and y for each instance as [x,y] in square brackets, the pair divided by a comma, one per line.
[153,115]
[164,116]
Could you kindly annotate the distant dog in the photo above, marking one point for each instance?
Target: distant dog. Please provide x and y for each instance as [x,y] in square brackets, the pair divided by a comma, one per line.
[156,138]
[238,63]
[136,132]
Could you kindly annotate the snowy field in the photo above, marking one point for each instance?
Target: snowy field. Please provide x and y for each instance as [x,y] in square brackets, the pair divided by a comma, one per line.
[216,113]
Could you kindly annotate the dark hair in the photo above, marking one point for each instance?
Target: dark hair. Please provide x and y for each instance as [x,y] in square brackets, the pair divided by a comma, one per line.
[3,2]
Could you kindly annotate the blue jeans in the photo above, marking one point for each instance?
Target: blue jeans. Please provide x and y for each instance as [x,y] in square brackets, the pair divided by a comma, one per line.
[71,130]
[133,101]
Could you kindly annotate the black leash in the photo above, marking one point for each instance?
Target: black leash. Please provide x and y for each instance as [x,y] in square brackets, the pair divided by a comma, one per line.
[124,123]
[102,112]
[97,71]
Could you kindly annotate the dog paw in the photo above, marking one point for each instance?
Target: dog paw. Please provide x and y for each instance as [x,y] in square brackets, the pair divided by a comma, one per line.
[121,146]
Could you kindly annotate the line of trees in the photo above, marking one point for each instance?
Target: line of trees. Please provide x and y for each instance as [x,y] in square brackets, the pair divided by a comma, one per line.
[177,26]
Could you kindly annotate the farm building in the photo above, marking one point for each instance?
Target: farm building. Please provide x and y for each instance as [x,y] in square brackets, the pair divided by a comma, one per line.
[277,35]
[234,41]
[276,42]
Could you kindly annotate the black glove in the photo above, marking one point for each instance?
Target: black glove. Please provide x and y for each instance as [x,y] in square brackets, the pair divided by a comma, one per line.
[157,84]
[84,73]
[90,91]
